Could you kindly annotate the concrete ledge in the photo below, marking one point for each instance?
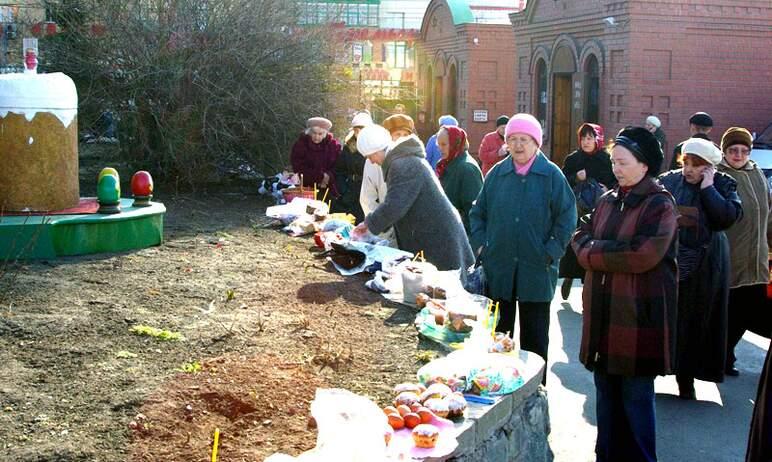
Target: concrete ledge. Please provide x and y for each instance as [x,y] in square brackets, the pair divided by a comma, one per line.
[515,428]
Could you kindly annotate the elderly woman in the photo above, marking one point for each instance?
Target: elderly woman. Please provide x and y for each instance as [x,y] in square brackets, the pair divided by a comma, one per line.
[628,247]
[587,167]
[422,216]
[708,204]
[349,168]
[522,221]
[314,155]
[459,174]
[374,188]
[749,241]
[433,154]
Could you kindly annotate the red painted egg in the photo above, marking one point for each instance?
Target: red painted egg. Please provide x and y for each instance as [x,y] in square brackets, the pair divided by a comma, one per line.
[142,184]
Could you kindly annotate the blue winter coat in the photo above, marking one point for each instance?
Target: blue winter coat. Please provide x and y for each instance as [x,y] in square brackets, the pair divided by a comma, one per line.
[524,224]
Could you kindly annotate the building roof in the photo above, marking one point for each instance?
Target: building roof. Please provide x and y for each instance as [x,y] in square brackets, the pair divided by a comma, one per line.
[482,11]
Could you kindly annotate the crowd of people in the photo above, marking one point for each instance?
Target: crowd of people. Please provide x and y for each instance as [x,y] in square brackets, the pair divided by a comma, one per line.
[672,250]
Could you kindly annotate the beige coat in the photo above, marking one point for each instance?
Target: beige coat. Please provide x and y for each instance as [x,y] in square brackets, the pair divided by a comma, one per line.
[750,237]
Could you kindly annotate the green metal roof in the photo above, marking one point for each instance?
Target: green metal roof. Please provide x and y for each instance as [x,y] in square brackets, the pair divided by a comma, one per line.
[460,11]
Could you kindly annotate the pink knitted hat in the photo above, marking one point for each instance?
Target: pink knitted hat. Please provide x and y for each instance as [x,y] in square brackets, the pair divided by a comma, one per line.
[524,123]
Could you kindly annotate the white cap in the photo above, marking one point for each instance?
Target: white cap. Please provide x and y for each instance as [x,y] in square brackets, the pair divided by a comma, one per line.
[362,119]
[702,148]
[654,120]
[371,139]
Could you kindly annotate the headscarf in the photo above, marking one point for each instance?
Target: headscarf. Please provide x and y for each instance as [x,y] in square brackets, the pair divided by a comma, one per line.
[599,138]
[457,142]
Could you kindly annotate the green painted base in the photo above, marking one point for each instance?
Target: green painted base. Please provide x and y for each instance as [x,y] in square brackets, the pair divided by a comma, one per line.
[54,236]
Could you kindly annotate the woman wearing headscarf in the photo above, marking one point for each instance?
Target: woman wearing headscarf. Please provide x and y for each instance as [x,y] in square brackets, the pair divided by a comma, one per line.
[521,223]
[415,206]
[708,204]
[349,168]
[749,241]
[588,171]
[433,154]
[459,174]
[314,155]
[628,247]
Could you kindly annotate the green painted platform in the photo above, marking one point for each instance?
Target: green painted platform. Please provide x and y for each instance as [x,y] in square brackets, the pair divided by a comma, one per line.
[44,237]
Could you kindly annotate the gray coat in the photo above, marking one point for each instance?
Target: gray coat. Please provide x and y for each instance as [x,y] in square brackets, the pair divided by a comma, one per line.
[422,216]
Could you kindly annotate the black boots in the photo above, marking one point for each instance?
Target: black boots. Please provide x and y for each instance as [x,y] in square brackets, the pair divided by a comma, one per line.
[686,388]
[565,289]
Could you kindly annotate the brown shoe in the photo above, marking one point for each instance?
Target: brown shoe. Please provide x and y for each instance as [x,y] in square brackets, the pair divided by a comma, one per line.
[565,289]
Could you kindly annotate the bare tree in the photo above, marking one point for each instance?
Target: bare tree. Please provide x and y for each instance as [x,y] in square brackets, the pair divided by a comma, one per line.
[198,84]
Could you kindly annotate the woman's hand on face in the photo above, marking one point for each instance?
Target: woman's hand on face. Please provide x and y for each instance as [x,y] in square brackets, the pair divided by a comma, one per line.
[581,175]
[707,176]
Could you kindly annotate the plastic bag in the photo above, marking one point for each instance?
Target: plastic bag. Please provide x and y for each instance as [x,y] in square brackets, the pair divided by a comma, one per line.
[485,374]
[350,429]
[372,253]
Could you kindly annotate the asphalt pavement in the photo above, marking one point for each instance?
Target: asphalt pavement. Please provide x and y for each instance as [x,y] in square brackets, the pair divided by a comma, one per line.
[714,428]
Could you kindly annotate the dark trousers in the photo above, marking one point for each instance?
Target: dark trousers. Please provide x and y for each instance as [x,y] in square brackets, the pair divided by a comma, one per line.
[746,303]
[534,325]
[626,418]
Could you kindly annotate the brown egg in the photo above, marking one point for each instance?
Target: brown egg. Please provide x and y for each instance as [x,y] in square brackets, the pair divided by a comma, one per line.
[390,410]
[411,420]
[396,421]
[415,406]
[404,409]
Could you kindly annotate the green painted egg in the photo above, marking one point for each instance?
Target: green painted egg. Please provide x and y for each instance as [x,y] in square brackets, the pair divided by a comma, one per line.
[108,190]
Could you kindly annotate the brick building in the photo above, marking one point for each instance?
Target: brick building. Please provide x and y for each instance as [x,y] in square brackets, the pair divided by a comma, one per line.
[466,65]
[615,62]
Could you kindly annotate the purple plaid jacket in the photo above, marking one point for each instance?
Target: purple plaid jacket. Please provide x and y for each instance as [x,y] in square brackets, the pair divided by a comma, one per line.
[628,247]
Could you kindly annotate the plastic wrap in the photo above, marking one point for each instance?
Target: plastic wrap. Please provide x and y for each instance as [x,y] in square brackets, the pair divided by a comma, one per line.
[350,429]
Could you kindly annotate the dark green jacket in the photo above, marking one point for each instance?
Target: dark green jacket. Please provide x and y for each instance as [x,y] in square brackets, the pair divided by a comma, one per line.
[462,182]
[524,224]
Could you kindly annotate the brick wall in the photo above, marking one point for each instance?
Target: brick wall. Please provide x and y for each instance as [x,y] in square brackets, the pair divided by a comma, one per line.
[702,55]
[667,57]
[485,70]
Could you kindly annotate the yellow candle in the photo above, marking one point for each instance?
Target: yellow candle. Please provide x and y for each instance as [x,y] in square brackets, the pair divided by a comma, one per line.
[216,443]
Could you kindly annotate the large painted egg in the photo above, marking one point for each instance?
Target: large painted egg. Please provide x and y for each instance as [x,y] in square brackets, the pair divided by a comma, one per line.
[142,184]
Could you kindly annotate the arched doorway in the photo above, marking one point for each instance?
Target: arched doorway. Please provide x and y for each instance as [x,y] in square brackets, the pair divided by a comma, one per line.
[591,90]
[452,91]
[541,92]
[563,69]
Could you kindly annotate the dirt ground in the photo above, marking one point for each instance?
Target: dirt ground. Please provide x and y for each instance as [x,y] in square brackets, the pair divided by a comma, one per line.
[264,323]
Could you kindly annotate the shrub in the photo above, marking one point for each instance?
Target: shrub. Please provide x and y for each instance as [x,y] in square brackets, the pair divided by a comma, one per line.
[198,86]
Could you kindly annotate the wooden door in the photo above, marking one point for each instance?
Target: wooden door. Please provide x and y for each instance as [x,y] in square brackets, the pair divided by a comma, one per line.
[561,119]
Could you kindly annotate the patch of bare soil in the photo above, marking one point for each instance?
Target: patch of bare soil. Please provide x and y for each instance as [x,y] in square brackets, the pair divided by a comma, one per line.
[266,320]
